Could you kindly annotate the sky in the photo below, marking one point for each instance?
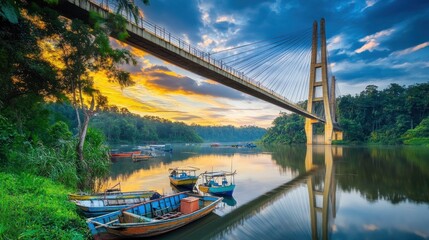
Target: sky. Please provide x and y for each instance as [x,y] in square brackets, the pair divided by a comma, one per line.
[376,42]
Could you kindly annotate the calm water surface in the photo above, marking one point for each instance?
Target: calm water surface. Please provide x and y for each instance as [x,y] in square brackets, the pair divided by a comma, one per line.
[300,193]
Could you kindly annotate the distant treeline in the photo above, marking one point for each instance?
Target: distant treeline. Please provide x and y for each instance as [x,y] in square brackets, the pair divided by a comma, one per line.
[121,126]
[389,116]
[229,133]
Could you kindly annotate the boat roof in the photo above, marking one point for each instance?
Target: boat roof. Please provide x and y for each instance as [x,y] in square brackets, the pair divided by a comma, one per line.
[218,173]
[188,168]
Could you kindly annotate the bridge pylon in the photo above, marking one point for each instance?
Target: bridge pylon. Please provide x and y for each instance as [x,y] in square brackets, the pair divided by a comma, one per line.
[320,93]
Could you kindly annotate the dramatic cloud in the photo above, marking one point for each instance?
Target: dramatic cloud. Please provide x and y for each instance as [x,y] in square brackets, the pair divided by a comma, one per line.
[162,77]
[369,42]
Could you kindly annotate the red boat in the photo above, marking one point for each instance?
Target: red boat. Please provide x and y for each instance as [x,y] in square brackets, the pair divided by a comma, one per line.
[124,154]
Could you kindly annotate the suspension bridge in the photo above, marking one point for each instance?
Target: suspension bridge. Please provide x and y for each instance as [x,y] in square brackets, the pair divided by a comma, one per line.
[285,71]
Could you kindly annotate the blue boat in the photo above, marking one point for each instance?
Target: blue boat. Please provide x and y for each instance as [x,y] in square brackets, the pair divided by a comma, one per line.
[152,218]
[97,207]
[217,183]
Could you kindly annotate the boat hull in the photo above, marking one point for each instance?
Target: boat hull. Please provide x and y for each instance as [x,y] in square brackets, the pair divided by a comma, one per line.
[186,183]
[112,195]
[218,190]
[124,154]
[97,207]
[131,222]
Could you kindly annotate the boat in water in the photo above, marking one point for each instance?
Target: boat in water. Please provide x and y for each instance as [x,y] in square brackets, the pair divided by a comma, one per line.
[115,194]
[161,147]
[154,217]
[97,207]
[183,176]
[123,154]
[217,183]
[142,157]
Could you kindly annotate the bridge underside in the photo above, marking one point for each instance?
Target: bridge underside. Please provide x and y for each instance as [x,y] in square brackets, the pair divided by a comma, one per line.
[161,48]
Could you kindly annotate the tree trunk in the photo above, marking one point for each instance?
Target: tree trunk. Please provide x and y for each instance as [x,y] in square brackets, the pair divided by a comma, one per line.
[82,168]
[82,137]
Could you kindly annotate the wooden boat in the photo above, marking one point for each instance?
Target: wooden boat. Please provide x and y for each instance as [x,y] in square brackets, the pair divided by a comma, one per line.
[111,195]
[97,207]
[161,147]
[154,217]
[123,154]
[141,157]
[217,183]
[183,176]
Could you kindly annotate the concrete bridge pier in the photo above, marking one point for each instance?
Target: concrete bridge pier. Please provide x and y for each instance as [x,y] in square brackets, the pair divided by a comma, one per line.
[319,93]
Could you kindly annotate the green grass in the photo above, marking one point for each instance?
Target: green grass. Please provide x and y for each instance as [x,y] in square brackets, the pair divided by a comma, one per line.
[33,207]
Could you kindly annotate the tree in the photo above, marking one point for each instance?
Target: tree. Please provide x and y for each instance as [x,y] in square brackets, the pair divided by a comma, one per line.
[84,52]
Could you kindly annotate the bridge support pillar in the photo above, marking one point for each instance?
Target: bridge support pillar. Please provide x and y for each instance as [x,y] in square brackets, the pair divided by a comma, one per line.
[321,98]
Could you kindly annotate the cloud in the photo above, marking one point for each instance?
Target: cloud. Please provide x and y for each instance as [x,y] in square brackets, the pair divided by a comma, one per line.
[370,227]
[186,118]
[411,49]
[373,41]
[369,3]
[162,77]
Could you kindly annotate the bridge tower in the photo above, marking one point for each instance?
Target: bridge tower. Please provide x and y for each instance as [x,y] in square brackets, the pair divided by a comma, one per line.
[319,85]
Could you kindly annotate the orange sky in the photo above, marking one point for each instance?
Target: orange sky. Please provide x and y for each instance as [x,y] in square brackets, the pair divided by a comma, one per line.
[164,90]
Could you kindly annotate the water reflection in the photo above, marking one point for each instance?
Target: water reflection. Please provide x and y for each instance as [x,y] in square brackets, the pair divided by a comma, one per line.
[316,192]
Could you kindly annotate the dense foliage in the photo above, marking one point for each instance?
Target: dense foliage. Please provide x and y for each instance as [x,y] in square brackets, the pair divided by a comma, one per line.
[418,135]
[36,208]
[229,133]
[123,126]
[372,116]
[287,129]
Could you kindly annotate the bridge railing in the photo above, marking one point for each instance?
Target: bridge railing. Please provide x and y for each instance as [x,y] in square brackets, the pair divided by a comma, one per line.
[182,44]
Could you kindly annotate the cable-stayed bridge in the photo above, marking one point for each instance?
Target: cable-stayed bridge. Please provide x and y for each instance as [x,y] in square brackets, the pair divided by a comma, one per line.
[285,70]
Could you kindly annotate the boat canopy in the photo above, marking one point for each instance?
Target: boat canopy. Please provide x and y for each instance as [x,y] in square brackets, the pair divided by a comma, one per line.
[184,169]
[218,173]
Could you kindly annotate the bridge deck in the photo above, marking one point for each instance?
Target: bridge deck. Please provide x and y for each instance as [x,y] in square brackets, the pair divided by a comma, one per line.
[162,44]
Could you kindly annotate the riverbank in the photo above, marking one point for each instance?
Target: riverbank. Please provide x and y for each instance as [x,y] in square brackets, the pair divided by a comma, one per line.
[33,207]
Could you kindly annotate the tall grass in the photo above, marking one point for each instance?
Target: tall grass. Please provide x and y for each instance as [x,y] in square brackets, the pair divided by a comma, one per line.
[33,207]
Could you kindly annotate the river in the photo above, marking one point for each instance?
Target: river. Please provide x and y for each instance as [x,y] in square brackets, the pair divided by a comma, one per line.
[299,192]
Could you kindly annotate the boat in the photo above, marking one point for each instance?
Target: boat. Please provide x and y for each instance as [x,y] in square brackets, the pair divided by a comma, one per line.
[217,183]
[97,207]
[161,147]
[250,145]
[141,157]
[123,154]
[183,176]
[153,217]
[215,145]
[116,194]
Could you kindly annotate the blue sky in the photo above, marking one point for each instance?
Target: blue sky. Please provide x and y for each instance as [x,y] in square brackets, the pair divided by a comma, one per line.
[369,42]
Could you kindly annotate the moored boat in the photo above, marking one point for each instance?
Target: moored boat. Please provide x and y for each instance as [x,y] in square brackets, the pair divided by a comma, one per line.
[123,154]
[183,176]
[97,207]
[154,217]
[141,157]
[217,183]
[111,195]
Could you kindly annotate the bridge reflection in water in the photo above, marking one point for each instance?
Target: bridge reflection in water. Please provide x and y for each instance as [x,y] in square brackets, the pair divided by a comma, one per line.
[303,208]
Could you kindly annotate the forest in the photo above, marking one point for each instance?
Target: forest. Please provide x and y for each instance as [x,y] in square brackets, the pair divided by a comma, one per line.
[394,115]
[229,133]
